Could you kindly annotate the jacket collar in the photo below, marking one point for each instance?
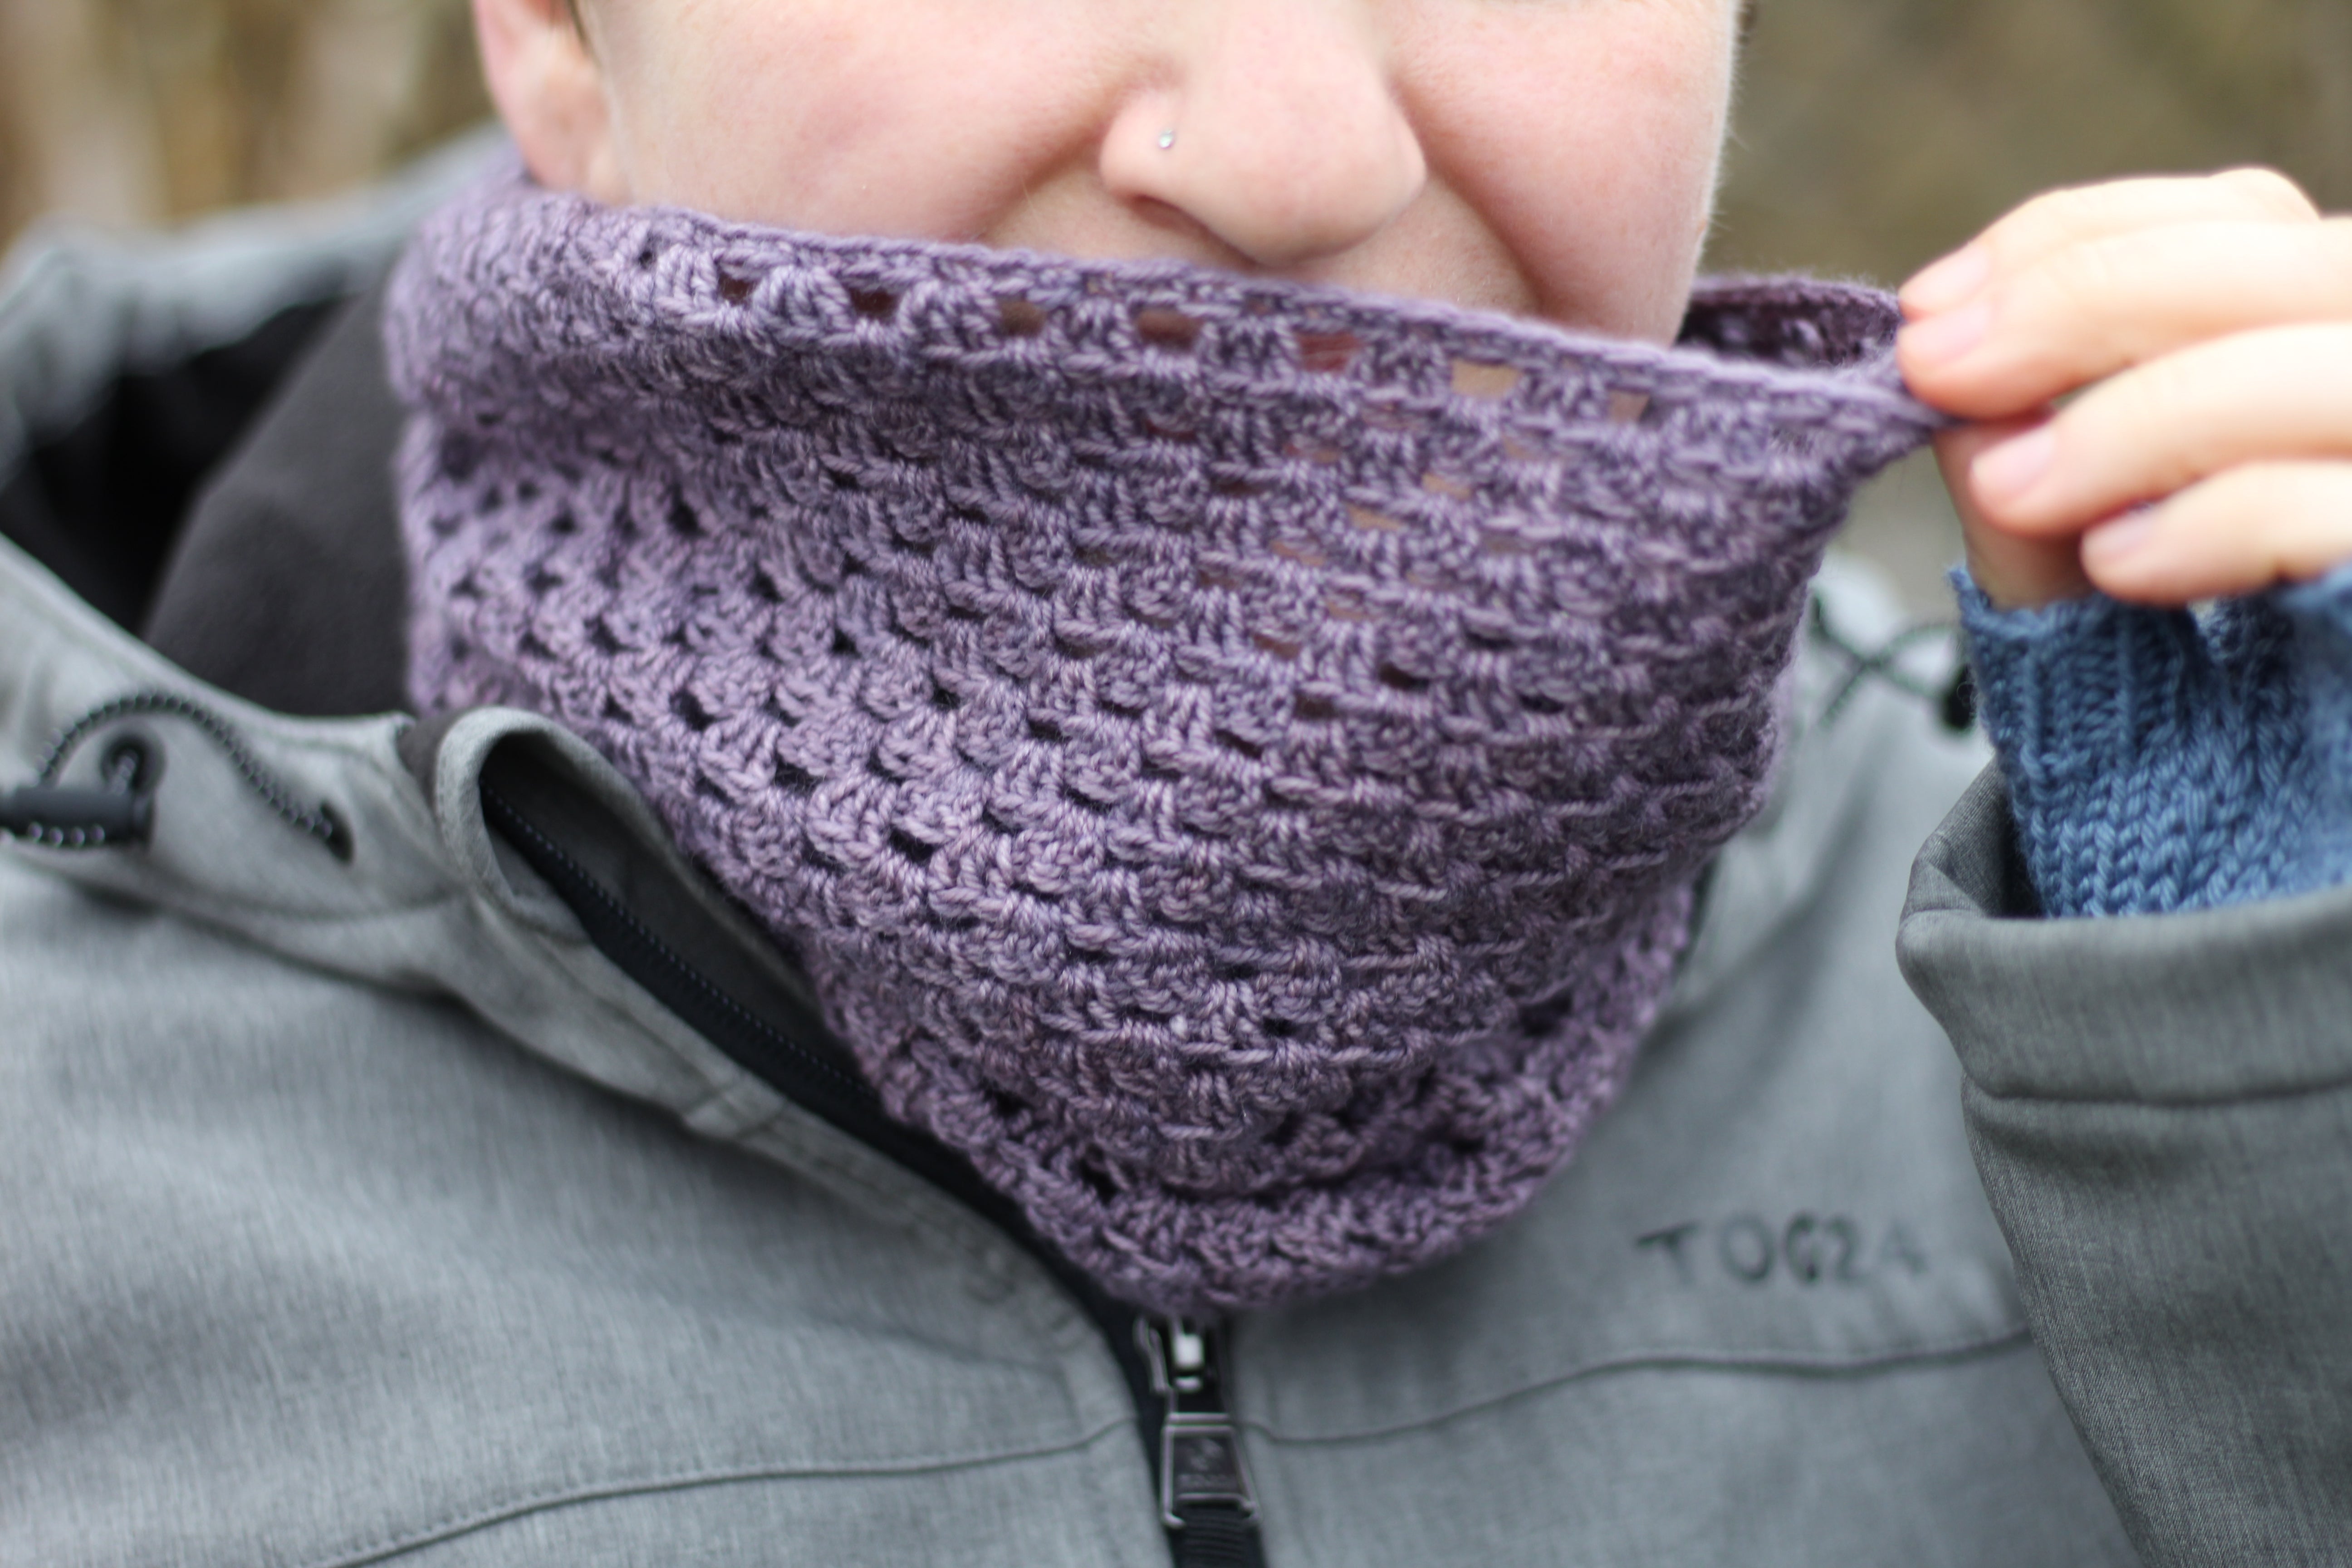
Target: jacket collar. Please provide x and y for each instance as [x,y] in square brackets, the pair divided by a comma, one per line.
[429,898]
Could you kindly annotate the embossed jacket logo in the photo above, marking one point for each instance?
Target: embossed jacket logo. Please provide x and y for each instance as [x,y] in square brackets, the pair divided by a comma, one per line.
[1808,1249]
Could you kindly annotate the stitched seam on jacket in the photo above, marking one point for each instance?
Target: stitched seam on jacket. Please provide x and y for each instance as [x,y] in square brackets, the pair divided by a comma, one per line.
[2216,1101]
[1794,1364]
[458,1525]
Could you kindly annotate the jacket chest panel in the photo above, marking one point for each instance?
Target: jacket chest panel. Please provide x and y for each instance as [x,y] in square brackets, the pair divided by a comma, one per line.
[374,1280]
[1808,1207]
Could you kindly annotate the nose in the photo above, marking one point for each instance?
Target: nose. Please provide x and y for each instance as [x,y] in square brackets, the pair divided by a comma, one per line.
[1277,128]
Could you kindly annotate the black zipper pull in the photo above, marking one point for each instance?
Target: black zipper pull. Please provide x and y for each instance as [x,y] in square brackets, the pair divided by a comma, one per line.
[1205,1499]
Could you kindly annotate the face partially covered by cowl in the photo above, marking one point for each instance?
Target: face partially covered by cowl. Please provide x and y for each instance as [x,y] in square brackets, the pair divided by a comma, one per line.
[1232,754]
[1550,158]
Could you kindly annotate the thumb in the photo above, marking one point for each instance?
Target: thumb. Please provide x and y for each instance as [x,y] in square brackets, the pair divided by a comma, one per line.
[2016,572]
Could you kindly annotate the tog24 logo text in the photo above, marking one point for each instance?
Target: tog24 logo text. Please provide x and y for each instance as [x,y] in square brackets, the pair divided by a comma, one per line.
[1806,1251]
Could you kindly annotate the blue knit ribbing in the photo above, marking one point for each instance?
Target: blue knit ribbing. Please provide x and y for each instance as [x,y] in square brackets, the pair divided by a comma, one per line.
[2158,761]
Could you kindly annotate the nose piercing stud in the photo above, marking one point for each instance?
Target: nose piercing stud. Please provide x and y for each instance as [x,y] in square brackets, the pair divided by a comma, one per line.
[1167,141]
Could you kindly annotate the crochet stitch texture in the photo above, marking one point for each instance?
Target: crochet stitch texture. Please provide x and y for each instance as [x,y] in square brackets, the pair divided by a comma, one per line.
[1231,756]
[2159,763]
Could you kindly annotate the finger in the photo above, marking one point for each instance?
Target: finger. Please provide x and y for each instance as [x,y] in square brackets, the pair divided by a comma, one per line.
[2014,571]
[2284,393]
[2089,310]
[2238,532]
[2051,222]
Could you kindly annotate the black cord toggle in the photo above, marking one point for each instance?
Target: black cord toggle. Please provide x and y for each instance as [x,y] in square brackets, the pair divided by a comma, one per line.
[77,818]
[122,811]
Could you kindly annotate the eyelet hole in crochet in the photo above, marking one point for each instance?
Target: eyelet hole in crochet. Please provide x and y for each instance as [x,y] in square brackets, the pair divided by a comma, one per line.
[1098,1182]
[1372,521]
[1327,354]
[735,288]
[1486,382]
[1172,331]
[1020,317]
[1439,484]
[1283,648]
[1628,407]
[911,849]
[1088,804]
[874,304]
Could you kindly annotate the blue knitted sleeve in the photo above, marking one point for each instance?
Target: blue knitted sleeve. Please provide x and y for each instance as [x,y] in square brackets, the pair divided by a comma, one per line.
[2160,760]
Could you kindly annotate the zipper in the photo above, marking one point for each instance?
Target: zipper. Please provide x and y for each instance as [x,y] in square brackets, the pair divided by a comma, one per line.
[1177,1370]
[1206,1503]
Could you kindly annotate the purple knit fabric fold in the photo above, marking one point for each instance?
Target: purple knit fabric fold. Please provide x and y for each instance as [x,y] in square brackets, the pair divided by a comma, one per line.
[1231,756]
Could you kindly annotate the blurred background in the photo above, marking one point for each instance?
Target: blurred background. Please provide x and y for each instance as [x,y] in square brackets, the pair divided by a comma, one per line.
[1873,134]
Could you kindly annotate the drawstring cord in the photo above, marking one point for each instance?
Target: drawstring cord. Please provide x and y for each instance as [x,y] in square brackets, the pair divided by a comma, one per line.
[1955,699]
[122,811]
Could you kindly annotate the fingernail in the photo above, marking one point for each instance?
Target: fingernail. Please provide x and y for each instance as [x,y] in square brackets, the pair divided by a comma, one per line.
[2114,541]
[1940,340]
[1950,282]
[2005,472]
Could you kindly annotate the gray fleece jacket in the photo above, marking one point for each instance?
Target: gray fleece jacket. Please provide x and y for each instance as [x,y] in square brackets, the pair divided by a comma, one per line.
[403,1155]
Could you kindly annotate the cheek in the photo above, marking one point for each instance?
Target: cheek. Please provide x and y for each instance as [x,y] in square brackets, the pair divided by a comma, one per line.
[1587,137]
[916,118]
[1571,143]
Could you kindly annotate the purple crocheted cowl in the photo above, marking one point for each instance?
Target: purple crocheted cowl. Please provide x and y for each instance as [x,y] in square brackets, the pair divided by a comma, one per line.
[1231,756]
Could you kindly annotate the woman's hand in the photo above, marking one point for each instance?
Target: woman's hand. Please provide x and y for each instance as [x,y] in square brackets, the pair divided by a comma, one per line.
[2207,324]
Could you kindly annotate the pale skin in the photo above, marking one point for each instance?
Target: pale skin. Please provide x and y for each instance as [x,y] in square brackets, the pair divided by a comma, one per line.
[1553,158]
[2207,324]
